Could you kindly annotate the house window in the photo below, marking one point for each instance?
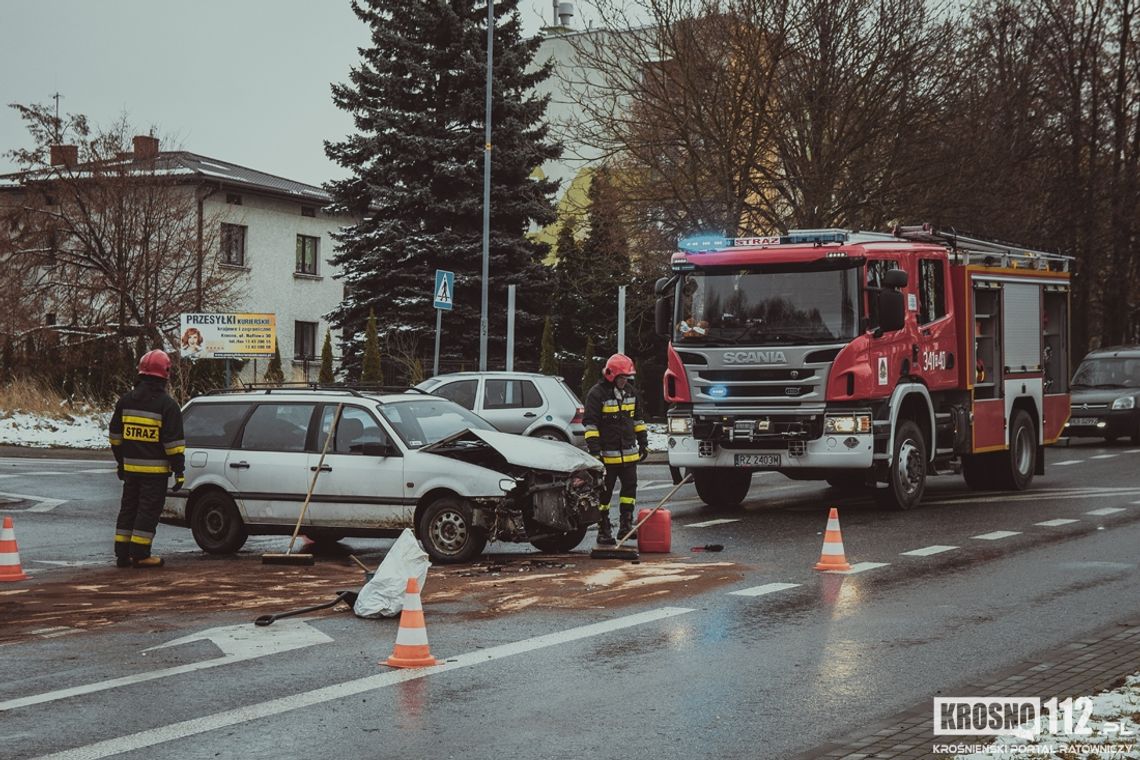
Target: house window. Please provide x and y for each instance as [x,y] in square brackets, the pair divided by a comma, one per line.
[306,254]
[234,199]
[308,211]
[305,340]
[233,244]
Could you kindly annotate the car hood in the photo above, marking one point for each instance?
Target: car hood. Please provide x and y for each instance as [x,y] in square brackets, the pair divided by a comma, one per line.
[1100,395]
[523,451]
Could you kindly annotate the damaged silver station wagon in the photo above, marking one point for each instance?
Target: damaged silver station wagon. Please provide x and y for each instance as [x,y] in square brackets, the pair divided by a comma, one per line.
[395,461]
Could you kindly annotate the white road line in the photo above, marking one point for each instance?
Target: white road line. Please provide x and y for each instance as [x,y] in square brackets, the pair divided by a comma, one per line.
[1055,523]
[1104,456]
[98,470]
[710,523]
[997,535]
[767,588]
[41,504]
[660,487]
[1105,511]
[1133,451]
[859,567]
[70,562]
[1067,462]
[926,551]
[239,715]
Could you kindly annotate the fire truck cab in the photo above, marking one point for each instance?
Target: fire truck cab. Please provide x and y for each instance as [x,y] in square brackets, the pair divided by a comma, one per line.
[867,360]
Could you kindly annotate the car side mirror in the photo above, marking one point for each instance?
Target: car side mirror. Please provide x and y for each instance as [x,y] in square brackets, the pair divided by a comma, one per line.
[378,450]
[663,284]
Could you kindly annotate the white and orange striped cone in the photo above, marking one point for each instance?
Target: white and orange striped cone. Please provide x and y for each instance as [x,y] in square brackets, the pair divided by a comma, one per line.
[411,649]
[10,569]
[832,558]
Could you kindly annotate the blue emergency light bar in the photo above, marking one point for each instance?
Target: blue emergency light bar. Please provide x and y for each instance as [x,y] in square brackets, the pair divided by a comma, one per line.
[705,243]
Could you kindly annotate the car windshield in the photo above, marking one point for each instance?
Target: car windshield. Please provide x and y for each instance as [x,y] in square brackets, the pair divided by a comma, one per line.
[1108,372]
[769,305]
[426,420]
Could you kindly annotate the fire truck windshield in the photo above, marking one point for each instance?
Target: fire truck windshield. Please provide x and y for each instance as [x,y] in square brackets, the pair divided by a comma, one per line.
[757,306]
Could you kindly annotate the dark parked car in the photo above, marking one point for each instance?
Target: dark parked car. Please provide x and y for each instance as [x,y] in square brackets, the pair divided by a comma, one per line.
[1106,395]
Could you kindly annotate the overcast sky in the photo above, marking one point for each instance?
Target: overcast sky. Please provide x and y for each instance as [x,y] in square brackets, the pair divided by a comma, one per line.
[245,81]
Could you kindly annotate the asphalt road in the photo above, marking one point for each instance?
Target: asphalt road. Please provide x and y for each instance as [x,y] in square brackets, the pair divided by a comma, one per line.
[964,586]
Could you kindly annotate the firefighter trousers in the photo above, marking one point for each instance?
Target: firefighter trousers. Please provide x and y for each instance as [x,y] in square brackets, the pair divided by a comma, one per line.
[627,474]
[138,516]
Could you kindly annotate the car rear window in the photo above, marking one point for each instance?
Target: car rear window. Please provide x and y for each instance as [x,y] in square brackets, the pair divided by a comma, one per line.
[212,425]
[278,427]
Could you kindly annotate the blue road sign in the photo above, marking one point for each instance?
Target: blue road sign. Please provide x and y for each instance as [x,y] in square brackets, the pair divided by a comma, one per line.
[444,289]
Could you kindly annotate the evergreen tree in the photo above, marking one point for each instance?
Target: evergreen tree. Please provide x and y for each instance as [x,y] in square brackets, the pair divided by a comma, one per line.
[326,377]
[371,371]
[416,173]
[590,372]
[590,272]
[547,364]
[274,374]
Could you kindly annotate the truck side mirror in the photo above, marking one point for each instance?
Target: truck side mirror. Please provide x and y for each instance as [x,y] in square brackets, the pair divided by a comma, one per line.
[892,309]
[895,278]
[663,317]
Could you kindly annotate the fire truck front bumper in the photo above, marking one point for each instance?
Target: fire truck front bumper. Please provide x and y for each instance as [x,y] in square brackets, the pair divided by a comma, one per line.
[851,451]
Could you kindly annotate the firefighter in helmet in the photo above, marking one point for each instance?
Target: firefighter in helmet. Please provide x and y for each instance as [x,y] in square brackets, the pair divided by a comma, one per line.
[147,440]
[616,434]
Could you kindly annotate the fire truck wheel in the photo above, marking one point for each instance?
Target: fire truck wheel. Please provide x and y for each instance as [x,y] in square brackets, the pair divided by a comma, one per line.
[1014,470]
[906,479]
[977,471]
[722,486]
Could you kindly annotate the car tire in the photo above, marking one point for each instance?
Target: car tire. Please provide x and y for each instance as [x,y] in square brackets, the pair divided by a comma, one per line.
[722,486]
[906,477]
[550,434]
[447,530]
[977,471]
[1013,469]
[560,544]
[216,524]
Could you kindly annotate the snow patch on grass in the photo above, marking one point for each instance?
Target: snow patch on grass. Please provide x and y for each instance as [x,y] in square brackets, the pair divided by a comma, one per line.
[85,430]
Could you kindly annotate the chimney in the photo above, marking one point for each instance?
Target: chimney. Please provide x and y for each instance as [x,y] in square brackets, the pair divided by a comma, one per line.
[64,155]
[146,147]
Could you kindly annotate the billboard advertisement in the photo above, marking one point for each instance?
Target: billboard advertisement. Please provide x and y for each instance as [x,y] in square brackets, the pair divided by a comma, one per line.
[227,336]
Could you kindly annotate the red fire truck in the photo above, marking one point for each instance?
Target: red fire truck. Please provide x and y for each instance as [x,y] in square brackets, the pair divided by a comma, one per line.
[867,360]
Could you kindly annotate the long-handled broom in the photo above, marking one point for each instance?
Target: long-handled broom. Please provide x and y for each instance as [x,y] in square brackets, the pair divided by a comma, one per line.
[617,552]
[289,558]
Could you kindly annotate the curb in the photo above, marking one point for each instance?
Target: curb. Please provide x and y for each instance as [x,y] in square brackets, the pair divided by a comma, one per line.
[33,452]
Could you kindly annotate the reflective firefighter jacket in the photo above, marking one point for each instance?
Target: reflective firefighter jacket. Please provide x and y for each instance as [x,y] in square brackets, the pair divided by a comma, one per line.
[614,425]
[146,432]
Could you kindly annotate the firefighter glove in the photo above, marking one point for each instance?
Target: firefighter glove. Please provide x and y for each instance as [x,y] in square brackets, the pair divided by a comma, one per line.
[179,479]
[119,473]
[642,452]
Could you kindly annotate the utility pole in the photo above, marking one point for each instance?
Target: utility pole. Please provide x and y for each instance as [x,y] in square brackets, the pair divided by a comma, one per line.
[487,187]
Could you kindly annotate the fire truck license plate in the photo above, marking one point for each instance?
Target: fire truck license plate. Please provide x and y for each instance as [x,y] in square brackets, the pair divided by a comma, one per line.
[758,460]
[1083,421]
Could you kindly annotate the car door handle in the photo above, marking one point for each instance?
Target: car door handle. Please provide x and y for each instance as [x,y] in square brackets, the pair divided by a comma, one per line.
[530,414]
[323,468]
[239,465]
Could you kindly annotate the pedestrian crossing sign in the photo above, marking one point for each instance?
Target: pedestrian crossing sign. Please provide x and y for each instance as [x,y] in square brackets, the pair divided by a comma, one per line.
[444,289]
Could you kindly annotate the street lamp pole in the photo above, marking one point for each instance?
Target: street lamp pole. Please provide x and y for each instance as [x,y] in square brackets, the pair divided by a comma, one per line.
[483,329]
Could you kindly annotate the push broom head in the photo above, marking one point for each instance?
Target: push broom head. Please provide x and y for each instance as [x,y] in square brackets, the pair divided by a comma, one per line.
[287,559]
[615,552]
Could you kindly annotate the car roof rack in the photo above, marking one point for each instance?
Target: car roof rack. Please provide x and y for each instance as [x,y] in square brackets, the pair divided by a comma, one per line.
[356,389]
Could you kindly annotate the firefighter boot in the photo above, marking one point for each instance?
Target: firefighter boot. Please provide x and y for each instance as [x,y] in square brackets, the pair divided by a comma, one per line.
[605,530]
[150,561]
[625,525]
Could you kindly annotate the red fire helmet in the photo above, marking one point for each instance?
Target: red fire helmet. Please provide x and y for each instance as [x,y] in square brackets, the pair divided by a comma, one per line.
[618,364]
[155,363]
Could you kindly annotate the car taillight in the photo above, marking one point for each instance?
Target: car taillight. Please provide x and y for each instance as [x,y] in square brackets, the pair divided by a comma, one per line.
[578,414]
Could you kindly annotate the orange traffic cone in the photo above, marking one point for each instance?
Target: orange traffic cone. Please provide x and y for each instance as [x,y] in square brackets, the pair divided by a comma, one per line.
[10,569]
[411,639]
[832,556]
